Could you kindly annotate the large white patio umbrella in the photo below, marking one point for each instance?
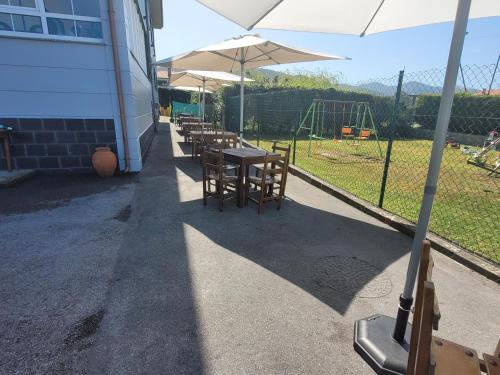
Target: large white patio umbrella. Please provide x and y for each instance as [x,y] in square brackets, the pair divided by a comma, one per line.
[205,79]
[240,53]
[188,89]
[363,17]
[191,89]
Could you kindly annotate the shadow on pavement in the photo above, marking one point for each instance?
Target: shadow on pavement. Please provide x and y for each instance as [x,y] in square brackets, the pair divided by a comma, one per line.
[150,323]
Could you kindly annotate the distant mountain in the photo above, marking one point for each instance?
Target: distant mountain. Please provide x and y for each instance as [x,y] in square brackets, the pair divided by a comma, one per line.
[409,88]
[269,73]
[418,88]
[377,88]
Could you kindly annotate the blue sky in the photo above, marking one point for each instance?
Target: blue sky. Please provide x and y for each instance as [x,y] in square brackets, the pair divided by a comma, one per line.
[189,25]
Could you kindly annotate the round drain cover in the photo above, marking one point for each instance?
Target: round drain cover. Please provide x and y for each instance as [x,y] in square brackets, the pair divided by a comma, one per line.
[352,276]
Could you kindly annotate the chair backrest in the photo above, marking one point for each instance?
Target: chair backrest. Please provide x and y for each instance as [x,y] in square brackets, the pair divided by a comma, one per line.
[277,148]
[213,162]
[274,165]
[425,318]
[283,150]
[231,141]
[346,131]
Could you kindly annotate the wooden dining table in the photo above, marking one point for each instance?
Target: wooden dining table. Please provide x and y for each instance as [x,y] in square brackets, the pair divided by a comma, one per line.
[244,157]
[187,128]
[198,137]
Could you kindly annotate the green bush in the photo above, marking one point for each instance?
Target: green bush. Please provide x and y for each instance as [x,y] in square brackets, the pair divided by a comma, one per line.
[471,114]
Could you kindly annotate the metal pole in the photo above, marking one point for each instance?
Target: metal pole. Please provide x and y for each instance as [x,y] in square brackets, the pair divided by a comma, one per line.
[450,81]
[199,102]
[203,104]
[258,134]
[242,92]
[463,78]
[493,76]
[295,138]
[394,114]
[311,130]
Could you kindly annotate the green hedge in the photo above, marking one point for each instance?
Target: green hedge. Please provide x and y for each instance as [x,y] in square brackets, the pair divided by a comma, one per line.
[277,112]
[471,114]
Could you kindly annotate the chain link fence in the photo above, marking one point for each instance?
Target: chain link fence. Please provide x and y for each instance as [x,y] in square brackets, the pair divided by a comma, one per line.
[374,140]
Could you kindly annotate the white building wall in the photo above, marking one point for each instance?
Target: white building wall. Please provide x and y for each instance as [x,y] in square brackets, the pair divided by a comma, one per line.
[138,96]
[42,78]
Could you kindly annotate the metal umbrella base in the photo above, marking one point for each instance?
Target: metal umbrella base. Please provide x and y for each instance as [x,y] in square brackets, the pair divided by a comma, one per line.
[374,342]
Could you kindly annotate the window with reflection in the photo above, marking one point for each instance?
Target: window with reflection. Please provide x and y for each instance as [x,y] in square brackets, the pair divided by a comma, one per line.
[69,18]
[19,3]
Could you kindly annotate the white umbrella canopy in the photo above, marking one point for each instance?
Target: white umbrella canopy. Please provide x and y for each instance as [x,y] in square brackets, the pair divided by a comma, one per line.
[253,50]
[197,80]
[204,79]
[188,89]
[240,53]
[210,77]
[358,17]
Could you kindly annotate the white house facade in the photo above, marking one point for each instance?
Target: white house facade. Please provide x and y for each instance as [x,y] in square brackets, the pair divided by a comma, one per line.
[76,75]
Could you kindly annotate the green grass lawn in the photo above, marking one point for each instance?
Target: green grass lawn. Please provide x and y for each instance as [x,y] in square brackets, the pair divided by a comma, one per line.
[467,205]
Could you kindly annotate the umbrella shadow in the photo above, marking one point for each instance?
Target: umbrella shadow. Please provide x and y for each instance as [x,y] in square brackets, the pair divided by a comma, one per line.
[184,147]
[151,323]
[332,257]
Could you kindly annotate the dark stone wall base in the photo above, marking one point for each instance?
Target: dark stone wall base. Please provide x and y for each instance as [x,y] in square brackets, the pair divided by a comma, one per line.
[57,145]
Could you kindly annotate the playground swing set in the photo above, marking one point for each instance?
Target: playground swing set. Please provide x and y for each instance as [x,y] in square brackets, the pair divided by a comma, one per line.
[479,158]
[352,121]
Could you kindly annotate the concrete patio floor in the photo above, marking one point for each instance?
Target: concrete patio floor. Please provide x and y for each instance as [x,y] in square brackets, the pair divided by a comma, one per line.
[141,278]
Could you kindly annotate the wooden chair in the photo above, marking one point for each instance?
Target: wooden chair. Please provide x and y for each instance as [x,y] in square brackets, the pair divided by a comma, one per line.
[214,175]
[274,174]
[225,143]
[283,150]
[433,355]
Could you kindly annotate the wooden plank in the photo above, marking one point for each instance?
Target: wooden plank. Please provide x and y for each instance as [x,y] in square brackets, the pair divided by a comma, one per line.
[423,358]
[450,358]
[492,364]
[417,316]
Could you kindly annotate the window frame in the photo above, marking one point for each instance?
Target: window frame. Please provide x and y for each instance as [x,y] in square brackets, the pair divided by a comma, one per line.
[39,11]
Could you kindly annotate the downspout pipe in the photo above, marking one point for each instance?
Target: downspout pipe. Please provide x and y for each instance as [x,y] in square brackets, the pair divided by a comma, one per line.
[119,87]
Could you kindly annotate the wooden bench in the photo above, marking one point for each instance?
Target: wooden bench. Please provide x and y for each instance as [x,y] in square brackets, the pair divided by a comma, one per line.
[433,355]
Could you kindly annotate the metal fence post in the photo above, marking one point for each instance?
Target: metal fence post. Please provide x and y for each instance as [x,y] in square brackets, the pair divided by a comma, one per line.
[295,139]
[258,133]
[394,115]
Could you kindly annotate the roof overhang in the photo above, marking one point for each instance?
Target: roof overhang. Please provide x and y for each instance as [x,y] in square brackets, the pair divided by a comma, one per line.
[156,7]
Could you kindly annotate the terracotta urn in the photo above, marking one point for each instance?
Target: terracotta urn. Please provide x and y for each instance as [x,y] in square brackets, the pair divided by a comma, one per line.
[104,161]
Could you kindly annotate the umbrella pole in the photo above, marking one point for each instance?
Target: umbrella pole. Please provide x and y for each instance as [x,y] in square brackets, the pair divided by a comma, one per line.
[203,106]
[372,336]
[242,93]
[443,120]
[199,102]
